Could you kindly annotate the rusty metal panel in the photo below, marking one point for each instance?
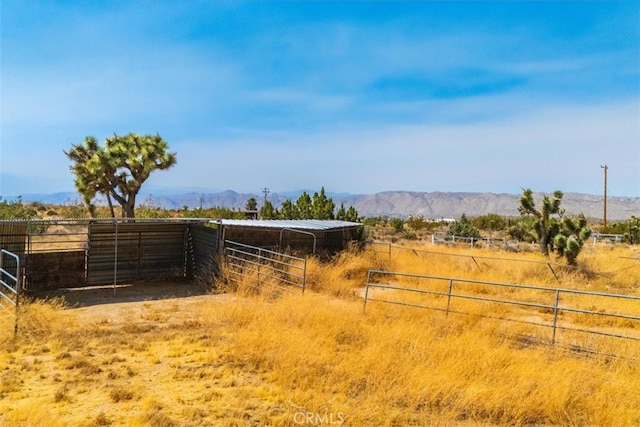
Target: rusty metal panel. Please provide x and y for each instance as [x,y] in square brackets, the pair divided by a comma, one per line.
[142,250]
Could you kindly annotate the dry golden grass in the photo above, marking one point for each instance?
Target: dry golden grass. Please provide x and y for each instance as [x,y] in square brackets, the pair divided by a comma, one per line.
[247,359]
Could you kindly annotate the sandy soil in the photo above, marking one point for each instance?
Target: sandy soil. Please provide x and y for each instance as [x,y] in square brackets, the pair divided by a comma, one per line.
[115,303]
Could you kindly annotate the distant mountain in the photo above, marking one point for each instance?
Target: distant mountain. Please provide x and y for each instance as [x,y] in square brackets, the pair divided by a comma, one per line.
[453,205]
[389,203]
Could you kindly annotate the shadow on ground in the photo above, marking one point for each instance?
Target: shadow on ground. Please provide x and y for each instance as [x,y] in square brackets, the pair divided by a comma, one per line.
[133,292]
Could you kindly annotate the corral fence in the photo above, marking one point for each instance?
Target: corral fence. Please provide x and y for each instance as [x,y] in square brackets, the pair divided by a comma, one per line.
[567,315]
[10,283]
[480,261]
[73,253]
[489,242]
[607,238]
[265,269]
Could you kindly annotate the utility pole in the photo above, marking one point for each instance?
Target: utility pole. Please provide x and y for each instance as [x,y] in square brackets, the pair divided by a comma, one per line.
[265,190]
[605,167]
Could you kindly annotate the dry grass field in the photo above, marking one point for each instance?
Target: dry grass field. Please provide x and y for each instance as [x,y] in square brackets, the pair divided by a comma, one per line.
[239,358]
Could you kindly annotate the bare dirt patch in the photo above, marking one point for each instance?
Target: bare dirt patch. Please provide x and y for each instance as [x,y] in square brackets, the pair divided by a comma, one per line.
[126,301]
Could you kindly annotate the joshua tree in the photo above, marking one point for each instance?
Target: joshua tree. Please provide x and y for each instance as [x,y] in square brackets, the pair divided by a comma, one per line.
[118,169]
[546,226]
[562,234]
[570,239]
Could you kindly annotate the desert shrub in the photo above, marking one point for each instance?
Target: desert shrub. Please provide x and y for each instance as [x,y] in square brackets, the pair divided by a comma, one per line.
[397,224]
[463,228]
[16,210]
[489,222]
[630,230]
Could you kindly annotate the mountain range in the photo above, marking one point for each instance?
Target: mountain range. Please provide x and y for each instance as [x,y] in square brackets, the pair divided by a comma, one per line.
[402,204]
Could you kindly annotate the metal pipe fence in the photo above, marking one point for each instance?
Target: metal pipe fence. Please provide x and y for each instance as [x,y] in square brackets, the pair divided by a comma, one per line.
[556,309]
[553,267]
[262,268]
[306,233]
[10,282]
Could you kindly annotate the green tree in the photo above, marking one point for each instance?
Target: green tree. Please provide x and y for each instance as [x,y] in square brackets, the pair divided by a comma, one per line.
[546,226]
[322,206]
[350,214]
[289,211]
[267,211]
[118,169]
[491,222]
[304,205]
[463,228]
[252,204]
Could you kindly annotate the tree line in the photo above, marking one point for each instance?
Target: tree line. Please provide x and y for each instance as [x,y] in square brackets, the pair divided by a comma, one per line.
[318,206]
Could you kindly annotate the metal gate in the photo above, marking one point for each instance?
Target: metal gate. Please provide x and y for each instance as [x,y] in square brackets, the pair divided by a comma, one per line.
[262,268]
[10,282]
[571,313]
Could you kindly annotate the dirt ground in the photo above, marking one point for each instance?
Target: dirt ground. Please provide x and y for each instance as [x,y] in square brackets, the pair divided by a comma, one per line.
[113,303]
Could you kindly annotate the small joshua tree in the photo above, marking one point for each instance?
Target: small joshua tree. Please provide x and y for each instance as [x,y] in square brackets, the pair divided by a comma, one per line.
[546,226]
[560,233]
[571,238]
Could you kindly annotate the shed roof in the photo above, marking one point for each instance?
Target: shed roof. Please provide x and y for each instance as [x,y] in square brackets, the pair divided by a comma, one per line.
[299,224]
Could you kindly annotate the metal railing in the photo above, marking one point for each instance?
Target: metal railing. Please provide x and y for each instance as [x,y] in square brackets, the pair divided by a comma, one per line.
[262,268]
[616,316]
[380,248]
[10,282]
[552,266]
[607,238]
[306,233]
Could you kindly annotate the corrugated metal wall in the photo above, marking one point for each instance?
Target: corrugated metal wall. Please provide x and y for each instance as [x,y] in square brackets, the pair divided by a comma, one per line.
[144,251]
[13,237]
[203,246]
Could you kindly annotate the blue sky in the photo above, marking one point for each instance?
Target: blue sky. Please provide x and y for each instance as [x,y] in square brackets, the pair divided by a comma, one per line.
[357,97]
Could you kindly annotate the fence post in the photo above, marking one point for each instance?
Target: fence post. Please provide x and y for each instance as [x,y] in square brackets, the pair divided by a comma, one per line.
[449,295]
[18,286]
[553,272]
[304,276]
[259,265]
[555,316]
[115,256]
[366,292]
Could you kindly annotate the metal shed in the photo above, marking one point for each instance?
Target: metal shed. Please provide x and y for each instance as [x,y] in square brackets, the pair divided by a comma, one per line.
[305,235]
